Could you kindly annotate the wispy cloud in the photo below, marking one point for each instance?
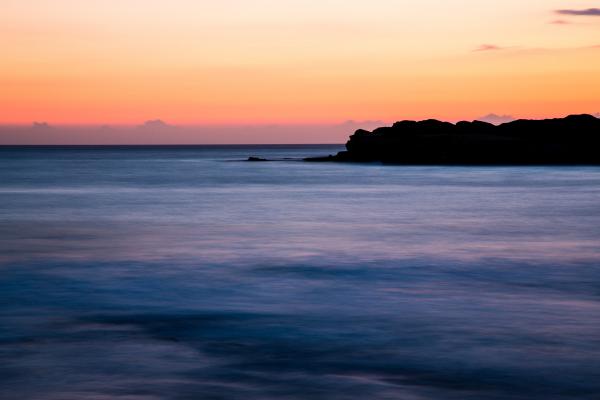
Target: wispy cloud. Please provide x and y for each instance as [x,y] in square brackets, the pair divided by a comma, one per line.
[560,22]
[594,12]
[489,47]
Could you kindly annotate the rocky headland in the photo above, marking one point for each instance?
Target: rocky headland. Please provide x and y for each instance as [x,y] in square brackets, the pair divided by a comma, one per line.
[571,140]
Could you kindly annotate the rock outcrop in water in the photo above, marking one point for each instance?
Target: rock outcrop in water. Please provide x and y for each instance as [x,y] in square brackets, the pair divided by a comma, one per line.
[571,140]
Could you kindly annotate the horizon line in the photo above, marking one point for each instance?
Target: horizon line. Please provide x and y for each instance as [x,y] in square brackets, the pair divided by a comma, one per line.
[174,145]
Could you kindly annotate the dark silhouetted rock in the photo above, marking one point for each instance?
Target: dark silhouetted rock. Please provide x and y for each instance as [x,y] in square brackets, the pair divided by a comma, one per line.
[257,159]
[571,140]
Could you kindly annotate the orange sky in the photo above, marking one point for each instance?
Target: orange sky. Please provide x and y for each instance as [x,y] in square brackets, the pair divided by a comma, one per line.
[295,61]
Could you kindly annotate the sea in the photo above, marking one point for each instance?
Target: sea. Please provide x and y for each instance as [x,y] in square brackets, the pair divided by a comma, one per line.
[186,272]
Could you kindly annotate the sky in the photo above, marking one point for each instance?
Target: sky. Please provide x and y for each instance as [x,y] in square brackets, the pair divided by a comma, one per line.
[289,64]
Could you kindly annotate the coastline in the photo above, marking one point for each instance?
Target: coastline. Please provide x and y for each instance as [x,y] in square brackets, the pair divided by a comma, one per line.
[573,140]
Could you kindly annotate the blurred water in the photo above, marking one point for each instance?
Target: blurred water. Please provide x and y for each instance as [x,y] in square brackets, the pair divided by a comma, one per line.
[186,273]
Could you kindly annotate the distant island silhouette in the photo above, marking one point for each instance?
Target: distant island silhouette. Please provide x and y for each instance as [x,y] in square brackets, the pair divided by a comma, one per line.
[571,140]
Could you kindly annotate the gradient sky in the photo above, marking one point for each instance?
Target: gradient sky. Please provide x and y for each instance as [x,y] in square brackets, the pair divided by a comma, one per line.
[295,61]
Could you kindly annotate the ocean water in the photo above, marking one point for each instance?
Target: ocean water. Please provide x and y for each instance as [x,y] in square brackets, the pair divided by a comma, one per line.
[184,273]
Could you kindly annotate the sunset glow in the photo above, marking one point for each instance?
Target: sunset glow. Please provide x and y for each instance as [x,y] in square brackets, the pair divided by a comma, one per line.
[295,62]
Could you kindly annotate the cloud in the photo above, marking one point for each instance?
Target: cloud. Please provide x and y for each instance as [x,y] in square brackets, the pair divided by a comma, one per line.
[594,12]
[367,124]
[560,22]
[488,47]
[156,124]
[41,125]
[597,115]
[496,119]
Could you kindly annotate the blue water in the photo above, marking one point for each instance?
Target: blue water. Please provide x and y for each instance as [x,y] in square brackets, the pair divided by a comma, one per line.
[185,273]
